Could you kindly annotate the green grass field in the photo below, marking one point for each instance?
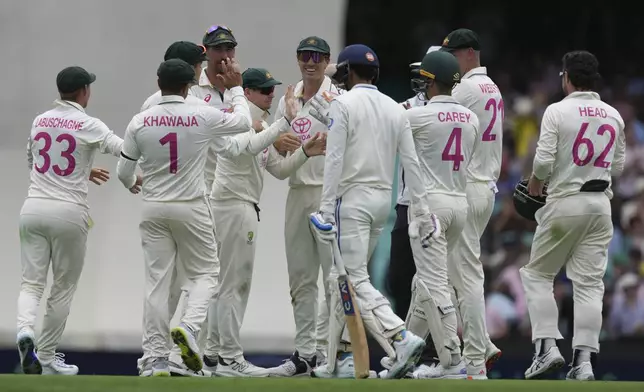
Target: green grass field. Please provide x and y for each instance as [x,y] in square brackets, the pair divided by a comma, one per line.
[21,383]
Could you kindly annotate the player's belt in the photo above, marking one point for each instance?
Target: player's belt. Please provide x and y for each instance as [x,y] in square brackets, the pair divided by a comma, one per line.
[594,186]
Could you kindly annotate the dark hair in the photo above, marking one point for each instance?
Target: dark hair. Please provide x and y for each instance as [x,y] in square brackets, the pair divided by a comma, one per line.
[444,88]
[172,87]
[582,69]
[365,72]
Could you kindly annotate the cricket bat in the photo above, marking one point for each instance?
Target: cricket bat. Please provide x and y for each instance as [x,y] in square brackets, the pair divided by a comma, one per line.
[352,314]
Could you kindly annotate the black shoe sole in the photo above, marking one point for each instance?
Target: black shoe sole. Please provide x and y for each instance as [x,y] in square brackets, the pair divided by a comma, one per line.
[30,363]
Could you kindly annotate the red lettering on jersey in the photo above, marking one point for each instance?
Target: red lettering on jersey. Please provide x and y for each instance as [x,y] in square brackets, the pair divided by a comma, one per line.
[488,88]
[454,117]
[55,122]
[589,111]
[170,121]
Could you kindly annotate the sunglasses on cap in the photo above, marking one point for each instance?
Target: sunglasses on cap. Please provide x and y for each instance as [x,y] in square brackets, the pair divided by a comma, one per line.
[214,28]
[306,55]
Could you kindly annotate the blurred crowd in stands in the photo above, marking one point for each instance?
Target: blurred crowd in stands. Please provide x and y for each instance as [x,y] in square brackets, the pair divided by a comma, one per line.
[506,242]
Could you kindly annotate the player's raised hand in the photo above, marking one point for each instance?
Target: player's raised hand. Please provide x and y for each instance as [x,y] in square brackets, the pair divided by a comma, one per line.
[99,176]
[316,145]
[320,108]
[291,104]
[137,185]
[231,75]
[287,142]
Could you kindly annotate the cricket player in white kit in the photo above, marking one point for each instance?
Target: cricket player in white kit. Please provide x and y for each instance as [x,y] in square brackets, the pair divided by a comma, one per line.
[55,220]
[480,94]
[367,130]
[445,133]
[581,146]
[304,256]
[171,141]
[194,55]
[235,202]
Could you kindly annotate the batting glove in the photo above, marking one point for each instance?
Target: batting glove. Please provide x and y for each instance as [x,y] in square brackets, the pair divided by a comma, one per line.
[323,226]
[320,108]
[423,225]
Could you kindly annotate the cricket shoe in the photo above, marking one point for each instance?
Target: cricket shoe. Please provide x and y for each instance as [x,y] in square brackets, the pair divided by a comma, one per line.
[241,368]
[178,369]
[387,363]
[408,351]
[210,363]
[160,368]
[581,372]
[185,339]
[437,371]
[344,368]
[295,366]
[492,355]
[476,372]
[58,366]
[27,350]
[550,360]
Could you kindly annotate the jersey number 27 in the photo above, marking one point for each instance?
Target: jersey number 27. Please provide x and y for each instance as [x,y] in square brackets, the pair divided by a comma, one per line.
[171,140]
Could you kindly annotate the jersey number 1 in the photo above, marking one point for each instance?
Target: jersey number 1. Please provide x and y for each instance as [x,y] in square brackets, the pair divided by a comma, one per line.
[454,142]
[590,148]
[171,139]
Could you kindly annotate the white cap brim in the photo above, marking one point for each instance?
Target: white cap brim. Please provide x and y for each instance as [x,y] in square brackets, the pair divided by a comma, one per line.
[431,49]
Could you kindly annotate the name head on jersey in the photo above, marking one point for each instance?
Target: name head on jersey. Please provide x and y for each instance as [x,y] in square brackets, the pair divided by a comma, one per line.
[175,77]
[357,64]
[439,72]
[580,71]
[73,84]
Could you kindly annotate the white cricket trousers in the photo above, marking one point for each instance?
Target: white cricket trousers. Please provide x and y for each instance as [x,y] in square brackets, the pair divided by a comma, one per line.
[361,214]
[432,266]
[466,271]
[176,232]
[236,222]
[51,232]
[304,257]
[574,232]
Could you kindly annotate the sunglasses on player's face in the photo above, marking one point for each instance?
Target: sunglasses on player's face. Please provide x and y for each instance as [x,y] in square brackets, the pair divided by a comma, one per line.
[266,90]
[306,55]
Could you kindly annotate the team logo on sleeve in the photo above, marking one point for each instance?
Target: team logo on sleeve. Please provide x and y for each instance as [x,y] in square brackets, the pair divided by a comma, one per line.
[207,97]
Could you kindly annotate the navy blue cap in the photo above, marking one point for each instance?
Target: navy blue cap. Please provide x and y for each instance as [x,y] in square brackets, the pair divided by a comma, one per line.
[358,55]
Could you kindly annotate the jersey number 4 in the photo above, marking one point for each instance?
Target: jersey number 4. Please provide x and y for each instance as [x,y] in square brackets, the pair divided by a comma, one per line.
[66,154]
[454,143]
[496,107]
[580,140]
[171,140]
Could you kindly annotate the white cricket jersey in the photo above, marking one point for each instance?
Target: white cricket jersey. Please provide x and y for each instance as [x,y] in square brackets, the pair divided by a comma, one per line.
[403,199]
[209,94]
[581,139]
[477,92]
[155,99]
[241,177]
[368,130]
[170,141]
[61,149]
[305,127]
[445,133]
